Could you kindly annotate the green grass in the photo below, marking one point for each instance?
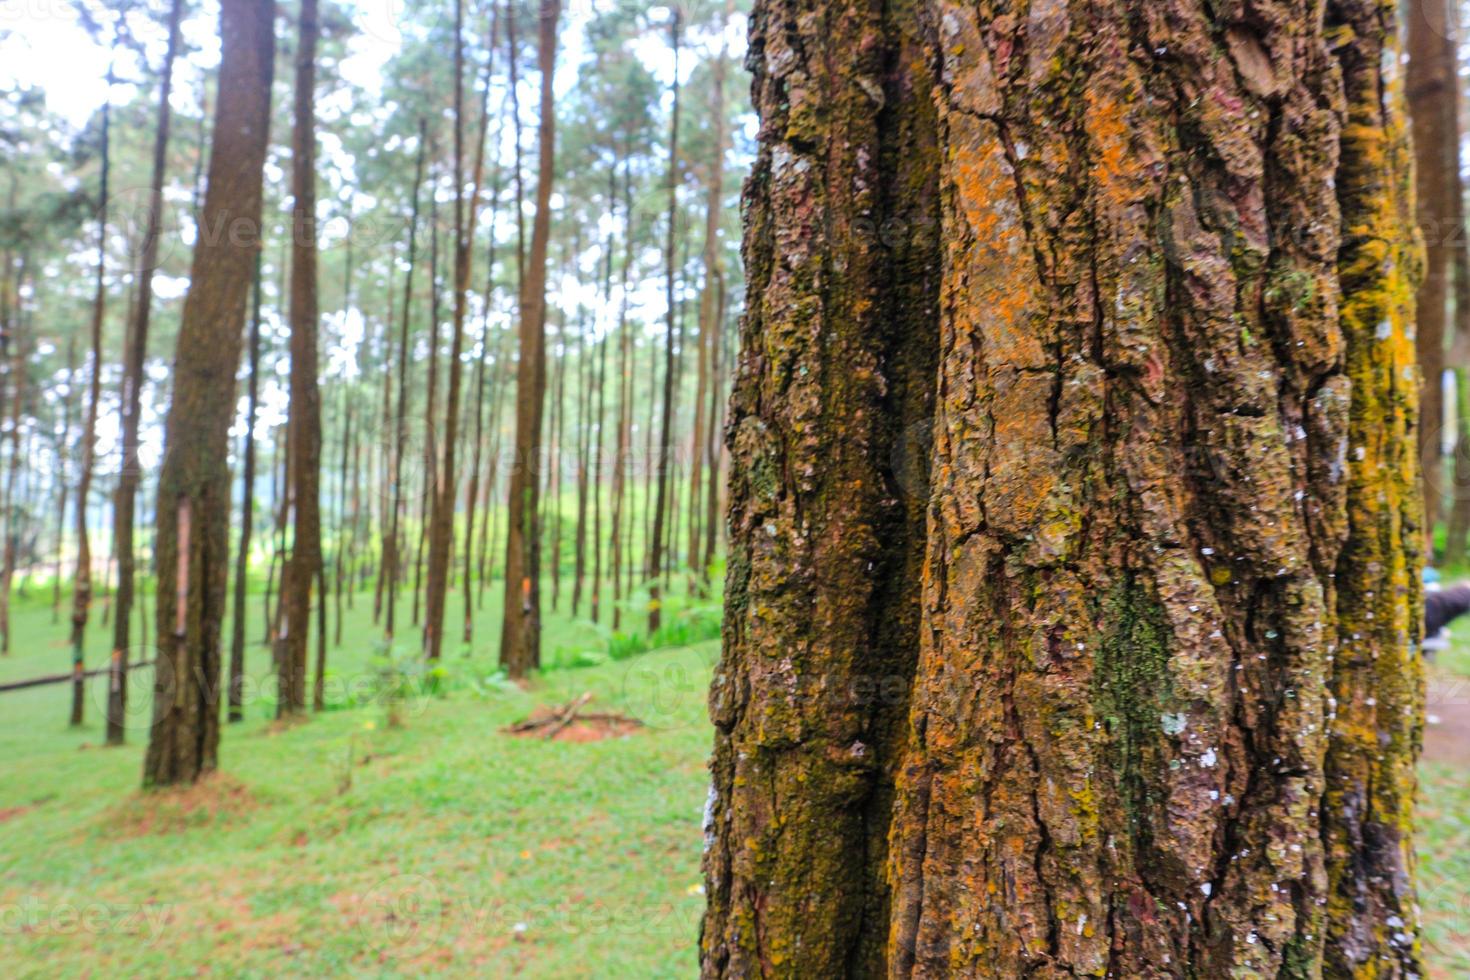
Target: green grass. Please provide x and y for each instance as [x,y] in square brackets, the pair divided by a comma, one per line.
[344,846]
[1444,824]
[456,848]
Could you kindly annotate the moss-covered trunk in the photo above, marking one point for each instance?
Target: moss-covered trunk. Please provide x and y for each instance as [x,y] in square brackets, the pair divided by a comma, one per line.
[1163,703]
[194,483]
[826,431]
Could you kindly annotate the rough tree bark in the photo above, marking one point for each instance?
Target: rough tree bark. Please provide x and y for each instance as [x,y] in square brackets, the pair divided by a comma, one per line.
[827,491]
[1165,711]
[520,634]
[194,483]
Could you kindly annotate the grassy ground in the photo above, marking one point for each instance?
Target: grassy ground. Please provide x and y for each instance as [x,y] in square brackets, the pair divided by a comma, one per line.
[346,846]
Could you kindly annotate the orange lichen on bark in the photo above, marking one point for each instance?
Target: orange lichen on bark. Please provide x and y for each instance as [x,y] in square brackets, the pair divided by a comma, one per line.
[1137,516]
[1169,508]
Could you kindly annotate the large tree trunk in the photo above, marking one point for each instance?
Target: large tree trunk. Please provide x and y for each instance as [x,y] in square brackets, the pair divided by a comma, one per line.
[827,525]
[194,484]
[520,634]
[132,403]
[1432,88]
[1165,711]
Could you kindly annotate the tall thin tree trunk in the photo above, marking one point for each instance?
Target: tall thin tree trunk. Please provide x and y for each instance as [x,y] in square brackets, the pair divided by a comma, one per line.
[247,512]
[1459,522]
[552,501]
[599,442]
[276,537]
[63,487]
[136,352]
[622,522]
[391,554]
[473,485]
[1458,526]
[429,476]
[1431,84]
[709,324]
[492,512]
[346,525]
[82,586]
[581,433]
[194,484]
[656,546]
[712,439]
[520,637]
[441,534]
[305,429]
[387,436]
[10,319]
[14,357]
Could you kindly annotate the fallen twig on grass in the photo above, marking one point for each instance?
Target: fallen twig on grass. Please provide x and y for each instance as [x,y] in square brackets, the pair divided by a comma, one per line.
[549,722]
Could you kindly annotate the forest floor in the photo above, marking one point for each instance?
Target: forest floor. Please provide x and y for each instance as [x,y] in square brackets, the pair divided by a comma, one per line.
[345,845]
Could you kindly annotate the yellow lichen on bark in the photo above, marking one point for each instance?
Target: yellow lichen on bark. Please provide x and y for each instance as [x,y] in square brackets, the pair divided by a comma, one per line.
[1372,927]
